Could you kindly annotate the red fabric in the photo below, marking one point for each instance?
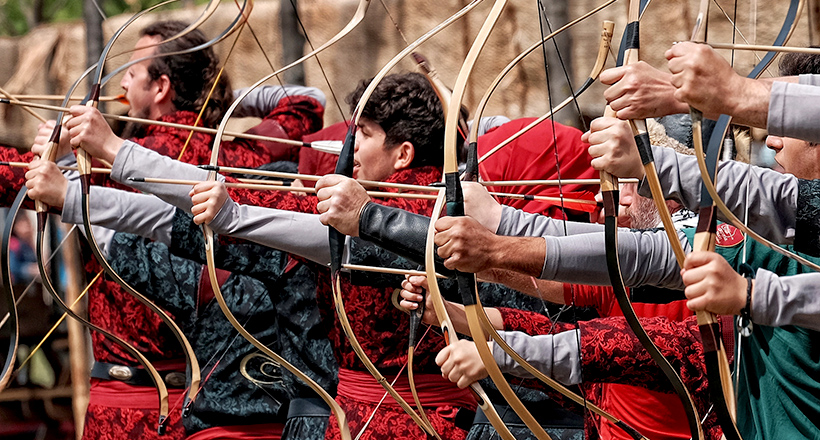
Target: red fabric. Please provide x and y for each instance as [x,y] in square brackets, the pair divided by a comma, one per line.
[390,422]
[111,423]
[613,357]
[319,163]
[119,312]
[611,353]
[532,157]
[603,299]
[433,390]
[13,178]
[263,431]
[656,415]
[110,393]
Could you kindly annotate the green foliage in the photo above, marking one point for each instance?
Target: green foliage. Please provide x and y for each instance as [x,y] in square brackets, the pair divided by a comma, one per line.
[17,17]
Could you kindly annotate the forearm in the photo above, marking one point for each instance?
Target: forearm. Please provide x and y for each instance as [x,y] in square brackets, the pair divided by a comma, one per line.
[770,198]
[293,232]
[788,106]
[556,356]
[787,300]
[458,317]
[646,258]
[552,291]
[515,222]
[135,161]
[262,100]
[134,213]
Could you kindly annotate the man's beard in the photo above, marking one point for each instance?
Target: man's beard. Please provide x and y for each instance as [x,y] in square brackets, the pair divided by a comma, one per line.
[133,130]
[643,213]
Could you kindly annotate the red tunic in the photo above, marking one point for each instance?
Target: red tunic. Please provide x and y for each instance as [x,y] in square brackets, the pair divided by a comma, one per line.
[657,415]
[610,353]
[319,163]
[381,329]
[533,157]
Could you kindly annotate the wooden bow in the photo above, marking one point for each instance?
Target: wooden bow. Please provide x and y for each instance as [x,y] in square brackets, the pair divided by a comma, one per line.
[609,187]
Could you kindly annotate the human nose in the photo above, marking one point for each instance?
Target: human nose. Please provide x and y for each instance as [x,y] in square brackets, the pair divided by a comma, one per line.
[774,142]
[626,196]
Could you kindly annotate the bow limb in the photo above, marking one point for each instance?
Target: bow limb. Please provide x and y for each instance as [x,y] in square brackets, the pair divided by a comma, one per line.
[455,207]
[42,216]
[631,54]
[84,166]
[358,16]
[706,166]
[327,398]
[335,408]
[238,21]
[8,292]
[717,363]
[46,280]
[345,167]
[482,103]
[447,329]
[209,10]
[606,36]
[597,68]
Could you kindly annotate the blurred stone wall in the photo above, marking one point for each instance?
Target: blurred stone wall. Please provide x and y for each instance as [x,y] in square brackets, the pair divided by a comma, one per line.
[362,53]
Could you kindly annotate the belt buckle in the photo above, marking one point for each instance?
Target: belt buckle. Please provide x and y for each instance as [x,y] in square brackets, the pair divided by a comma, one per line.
[175,379]
[120,372]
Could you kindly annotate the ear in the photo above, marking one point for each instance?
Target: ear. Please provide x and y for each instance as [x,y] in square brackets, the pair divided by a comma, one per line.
[164,91]
[404,154]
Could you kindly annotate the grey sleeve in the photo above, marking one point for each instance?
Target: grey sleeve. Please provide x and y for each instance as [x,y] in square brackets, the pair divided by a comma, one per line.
[294,232]
[556,356]
[809,79]
[122,211]
[515,222]
[262,100]
[793,109]
[646,258]
[786,300]
[134,160]
[772,196]
[487,123]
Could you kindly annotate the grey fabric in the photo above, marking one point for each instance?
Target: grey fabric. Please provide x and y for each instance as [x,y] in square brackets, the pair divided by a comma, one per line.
[556,356]
[772,196]
[138,214]
[793,109]
[787,300]
[261,100]
[646,258]
[487,123]
[294,232]
[298,233]
[515,222]
[134,160]
[580,257]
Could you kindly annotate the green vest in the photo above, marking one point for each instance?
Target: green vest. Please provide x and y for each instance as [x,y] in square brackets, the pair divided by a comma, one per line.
[779,387]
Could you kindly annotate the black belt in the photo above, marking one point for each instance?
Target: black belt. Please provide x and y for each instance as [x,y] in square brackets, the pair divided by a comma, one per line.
[136,376]
[308,407]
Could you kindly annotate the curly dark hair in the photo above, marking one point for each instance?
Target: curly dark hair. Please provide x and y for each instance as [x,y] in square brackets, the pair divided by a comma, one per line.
[192,74]
[799,63]
[407,108]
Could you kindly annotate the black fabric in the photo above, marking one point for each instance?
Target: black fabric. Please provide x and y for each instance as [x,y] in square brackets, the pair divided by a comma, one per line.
[807,227]
[402,232]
